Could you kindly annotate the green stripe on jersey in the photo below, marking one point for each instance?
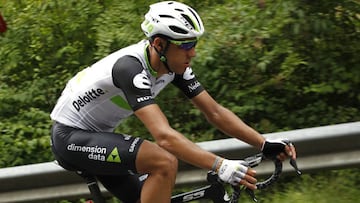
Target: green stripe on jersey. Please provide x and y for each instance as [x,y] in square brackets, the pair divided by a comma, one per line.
[120,102]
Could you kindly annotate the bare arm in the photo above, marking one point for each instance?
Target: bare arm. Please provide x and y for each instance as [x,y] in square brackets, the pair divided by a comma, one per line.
[185,150]
[227,121]
[171,140]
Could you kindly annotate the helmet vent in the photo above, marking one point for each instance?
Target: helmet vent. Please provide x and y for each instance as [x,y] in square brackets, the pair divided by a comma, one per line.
[188,20]
[166,16]
[178,30]
[195,15]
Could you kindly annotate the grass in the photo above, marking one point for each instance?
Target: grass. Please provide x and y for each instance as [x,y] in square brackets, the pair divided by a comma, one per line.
[340,186]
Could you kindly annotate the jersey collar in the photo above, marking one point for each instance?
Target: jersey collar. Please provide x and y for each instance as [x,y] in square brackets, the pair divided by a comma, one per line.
[147,57]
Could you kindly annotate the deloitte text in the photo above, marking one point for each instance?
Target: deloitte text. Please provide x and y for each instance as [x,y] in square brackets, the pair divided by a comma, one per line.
[87,98]
[95,152]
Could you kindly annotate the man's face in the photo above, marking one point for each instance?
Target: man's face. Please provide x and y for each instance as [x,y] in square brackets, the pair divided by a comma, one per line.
[179,54]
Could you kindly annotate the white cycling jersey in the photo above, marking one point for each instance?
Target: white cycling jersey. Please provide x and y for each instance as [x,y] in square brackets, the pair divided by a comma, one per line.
[99,97]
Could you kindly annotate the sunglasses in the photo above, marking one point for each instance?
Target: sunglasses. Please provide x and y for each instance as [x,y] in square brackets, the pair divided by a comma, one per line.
[184,44]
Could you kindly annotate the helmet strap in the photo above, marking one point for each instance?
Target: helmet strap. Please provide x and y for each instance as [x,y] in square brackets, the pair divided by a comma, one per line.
[162,56]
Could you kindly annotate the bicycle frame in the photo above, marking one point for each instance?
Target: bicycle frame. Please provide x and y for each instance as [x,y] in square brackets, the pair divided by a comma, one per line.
[215,191]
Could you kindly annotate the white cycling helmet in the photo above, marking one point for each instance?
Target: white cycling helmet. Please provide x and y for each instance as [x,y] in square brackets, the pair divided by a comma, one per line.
[172,19]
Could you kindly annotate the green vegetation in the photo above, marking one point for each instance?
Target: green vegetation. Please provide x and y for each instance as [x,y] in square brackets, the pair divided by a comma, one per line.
[279,65]
[327,187]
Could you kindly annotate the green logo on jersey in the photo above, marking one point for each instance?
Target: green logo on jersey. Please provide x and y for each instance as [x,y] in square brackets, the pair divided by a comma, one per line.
[120,102]
[114,156]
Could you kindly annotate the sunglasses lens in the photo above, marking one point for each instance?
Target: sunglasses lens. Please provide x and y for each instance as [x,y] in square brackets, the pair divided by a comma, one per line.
[188,45]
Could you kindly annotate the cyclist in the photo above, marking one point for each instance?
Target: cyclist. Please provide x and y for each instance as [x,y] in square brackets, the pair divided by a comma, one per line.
[126,82]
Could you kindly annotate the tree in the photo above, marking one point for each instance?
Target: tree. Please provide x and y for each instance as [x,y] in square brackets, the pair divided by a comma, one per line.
[284,65]
[42,48]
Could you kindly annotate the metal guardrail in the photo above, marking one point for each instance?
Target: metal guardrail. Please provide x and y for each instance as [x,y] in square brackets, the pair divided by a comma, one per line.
[318,148]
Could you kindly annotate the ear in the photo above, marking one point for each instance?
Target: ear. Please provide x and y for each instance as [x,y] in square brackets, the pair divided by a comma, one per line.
[158,43]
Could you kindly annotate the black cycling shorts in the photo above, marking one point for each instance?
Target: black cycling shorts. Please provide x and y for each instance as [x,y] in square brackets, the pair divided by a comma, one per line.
[108,156]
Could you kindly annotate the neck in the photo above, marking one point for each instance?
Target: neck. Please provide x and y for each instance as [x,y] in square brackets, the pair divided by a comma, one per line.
[156,63]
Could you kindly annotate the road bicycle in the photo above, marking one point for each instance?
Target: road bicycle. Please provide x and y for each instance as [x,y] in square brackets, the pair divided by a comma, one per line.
[215,190]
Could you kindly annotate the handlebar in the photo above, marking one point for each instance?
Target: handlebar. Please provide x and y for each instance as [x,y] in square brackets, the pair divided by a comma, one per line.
[252,162]
[278,166]
[216,192]
[255,160]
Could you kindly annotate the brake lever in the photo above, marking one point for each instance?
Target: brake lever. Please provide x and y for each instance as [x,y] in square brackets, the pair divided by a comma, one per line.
[293,161]
[294,165]
[251,194]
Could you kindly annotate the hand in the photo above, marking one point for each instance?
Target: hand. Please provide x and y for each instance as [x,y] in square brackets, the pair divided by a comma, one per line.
[237,172]
[279,148]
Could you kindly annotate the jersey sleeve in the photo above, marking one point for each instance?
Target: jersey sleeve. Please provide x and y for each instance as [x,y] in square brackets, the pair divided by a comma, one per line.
[129,75]
[188,83]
